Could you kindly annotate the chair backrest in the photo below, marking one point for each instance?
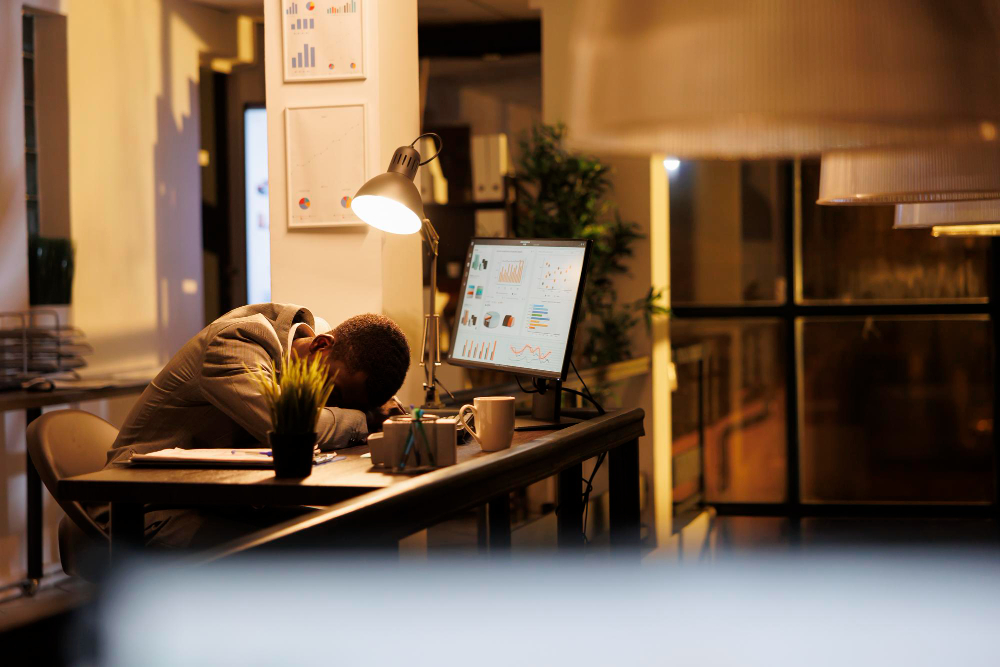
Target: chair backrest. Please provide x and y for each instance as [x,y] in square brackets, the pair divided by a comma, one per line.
[66,443]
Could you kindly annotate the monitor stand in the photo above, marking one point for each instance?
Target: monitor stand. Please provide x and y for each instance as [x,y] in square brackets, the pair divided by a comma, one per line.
[545,409]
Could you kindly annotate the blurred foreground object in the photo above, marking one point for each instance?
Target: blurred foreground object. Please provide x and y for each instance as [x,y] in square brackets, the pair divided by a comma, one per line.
[925,216]
[731,78]
[911,175]
[843,607]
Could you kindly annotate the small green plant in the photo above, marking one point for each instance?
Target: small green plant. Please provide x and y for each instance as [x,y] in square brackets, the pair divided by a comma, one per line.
[565,195]
[295,393]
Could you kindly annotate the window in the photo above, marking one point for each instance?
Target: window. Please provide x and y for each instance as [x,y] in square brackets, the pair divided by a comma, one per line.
[861,376]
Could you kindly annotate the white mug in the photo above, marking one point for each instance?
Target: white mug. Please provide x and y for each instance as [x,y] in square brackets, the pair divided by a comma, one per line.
[494,421]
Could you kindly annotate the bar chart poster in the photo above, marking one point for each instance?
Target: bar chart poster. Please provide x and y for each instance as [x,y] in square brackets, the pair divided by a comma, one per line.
[325,164]
[323,40]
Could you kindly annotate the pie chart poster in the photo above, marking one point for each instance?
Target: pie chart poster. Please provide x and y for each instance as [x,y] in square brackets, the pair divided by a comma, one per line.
[325,164]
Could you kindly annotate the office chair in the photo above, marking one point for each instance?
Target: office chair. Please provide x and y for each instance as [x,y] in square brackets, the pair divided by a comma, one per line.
[65,443]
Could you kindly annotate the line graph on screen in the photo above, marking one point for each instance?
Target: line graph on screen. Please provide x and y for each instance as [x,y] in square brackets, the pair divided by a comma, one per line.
[529,352]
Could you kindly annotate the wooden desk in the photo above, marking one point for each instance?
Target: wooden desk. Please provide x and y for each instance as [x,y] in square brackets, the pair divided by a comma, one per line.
[32,403]
[365,500]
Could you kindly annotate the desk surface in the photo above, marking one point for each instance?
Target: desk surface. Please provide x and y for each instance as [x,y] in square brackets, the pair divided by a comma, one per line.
[22,399]
[328,484]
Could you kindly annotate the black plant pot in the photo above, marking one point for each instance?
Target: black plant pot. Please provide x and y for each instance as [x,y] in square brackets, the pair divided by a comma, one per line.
[292,453]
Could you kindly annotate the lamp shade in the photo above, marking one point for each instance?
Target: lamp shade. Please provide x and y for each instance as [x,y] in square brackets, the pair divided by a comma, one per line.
[925,216]
[903,176]
[965,230]
[772,78]
[391,201]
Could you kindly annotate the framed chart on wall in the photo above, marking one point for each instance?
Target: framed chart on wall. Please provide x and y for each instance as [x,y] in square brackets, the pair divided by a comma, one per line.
[325,163]
[323,40]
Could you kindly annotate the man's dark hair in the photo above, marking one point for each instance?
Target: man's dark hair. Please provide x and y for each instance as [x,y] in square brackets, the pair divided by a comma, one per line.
[376,345]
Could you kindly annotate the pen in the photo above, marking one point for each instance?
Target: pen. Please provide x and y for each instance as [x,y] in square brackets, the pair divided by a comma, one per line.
[250,451]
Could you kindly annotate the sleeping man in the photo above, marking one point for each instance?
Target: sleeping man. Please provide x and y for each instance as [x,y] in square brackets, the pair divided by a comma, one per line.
[204,397]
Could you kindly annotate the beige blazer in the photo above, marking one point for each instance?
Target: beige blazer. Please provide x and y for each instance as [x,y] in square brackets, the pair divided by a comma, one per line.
[203,397]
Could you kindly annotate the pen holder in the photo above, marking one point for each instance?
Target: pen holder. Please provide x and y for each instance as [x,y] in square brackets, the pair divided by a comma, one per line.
[397,431]
[440,446]
[379,448]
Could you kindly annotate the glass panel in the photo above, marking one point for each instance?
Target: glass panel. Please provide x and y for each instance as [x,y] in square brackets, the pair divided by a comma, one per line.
[28,33]
[852,254]
[33,225]
[726,232]
[29,79]
[29,127]
[31,168]
[737,369]
[896,409]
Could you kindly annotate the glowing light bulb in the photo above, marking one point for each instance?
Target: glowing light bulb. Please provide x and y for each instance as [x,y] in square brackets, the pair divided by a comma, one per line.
[671,164]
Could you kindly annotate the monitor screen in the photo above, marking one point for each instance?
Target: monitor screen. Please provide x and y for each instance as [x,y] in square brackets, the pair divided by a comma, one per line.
[518,305]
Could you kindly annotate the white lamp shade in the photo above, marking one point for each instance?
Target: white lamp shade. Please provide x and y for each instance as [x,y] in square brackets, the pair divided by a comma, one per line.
[966,230]
[926,216]
[390,202]
[904,176]
[772,78]
[386,214]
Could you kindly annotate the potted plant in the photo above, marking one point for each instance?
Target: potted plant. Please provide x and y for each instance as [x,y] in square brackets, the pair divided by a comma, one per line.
[295,394]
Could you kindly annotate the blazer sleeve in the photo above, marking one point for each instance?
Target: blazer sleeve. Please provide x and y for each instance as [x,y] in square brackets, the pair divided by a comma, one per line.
[228,386]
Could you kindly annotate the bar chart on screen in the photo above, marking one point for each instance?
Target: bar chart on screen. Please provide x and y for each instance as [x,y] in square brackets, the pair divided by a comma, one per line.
[479,349]
[538,318]
[511,272]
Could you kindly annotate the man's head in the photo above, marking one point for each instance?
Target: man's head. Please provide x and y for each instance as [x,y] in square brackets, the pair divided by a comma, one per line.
[369,355]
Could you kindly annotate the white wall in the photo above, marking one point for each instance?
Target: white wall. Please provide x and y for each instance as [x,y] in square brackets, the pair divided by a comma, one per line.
[135,209]
[342,272]
[135,186]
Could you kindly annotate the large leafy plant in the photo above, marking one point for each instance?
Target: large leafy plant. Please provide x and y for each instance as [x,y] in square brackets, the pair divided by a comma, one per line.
[295,393]
[566,195]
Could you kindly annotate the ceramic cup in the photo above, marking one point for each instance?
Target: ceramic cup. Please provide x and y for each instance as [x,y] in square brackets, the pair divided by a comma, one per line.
[494,421]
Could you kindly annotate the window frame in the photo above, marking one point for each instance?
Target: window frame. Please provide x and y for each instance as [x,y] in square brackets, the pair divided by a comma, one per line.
[792,314]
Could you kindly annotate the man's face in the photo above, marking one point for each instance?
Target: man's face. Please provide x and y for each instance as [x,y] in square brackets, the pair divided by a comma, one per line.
[348,388]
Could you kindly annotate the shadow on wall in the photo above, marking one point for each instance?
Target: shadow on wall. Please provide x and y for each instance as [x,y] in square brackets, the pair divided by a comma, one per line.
[178,191]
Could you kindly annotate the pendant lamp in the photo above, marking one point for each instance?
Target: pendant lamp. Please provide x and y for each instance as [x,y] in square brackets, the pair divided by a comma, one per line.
[773,78]
[926,216]
[966,230]
[913,175]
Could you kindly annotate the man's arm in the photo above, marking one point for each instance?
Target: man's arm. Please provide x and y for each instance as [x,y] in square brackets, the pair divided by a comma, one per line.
[228,386]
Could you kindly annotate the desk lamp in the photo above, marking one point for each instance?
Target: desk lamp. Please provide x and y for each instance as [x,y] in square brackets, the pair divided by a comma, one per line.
[392,203]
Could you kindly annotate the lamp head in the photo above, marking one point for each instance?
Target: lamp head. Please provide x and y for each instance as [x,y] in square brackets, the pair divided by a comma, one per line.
[391,201]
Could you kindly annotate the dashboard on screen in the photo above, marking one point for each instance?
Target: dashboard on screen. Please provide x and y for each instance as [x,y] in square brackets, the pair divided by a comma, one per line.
[518,305]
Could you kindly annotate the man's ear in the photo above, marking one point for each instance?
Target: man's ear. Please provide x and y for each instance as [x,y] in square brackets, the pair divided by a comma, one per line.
[321,342]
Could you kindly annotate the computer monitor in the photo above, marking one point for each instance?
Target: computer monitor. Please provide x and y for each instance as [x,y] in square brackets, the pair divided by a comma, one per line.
[519,305]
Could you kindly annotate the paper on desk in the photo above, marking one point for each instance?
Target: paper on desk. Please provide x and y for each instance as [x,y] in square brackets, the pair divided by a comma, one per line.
[242,457]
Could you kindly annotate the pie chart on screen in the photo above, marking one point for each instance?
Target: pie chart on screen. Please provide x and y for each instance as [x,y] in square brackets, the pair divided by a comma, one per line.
[304,203]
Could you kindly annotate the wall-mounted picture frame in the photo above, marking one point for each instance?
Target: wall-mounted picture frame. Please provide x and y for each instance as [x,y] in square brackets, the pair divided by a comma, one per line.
[325,163]
[323,40]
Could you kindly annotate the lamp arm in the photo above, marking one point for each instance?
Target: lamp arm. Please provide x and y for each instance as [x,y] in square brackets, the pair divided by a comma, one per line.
[430,355]
[430,236]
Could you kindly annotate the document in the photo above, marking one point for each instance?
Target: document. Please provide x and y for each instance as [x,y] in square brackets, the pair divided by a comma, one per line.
[207,458]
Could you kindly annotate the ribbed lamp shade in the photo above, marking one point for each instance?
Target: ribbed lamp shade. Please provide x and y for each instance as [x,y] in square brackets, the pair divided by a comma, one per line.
[925,216]
[905,176]
[758,78]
